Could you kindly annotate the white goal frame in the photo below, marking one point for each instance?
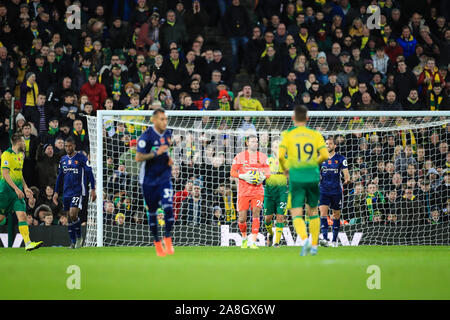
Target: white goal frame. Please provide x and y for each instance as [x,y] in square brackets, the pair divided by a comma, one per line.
[101,114]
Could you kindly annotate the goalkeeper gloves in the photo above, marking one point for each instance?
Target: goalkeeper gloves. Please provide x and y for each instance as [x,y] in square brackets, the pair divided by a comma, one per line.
[248,177]
[261,178]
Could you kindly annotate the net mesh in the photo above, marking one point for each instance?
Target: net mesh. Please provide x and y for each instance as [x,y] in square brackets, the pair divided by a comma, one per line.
[398,166]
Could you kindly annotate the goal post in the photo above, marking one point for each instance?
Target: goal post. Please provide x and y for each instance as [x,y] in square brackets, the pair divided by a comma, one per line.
[387,151]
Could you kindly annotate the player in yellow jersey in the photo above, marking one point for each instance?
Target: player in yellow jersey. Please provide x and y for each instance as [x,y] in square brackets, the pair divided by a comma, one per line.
[302,150]
[275,197]
[13,188]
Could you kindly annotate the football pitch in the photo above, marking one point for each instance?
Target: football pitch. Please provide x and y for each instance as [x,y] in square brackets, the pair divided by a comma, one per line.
[419,272]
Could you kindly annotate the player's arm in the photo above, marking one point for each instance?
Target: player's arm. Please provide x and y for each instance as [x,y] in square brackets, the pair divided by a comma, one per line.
[151,155]
[87,167]
[169,142]
[27,190]
[7,177]
[346,176]
[265,173]
[58,184]
[235,169]
[282,151]
[322,148]
[144,151]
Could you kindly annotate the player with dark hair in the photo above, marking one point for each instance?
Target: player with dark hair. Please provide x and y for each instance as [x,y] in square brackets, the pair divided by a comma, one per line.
[251,169]
[13,188]
[71,176]
[155,178]
[331,191]
[301,152]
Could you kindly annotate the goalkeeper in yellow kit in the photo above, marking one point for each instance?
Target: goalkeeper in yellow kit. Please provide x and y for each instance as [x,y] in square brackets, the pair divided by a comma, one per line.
[305,150]
[13,188]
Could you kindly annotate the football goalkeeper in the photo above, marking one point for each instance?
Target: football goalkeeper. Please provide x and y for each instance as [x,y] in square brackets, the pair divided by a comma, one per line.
[13,188]
[251,168]
[302,146]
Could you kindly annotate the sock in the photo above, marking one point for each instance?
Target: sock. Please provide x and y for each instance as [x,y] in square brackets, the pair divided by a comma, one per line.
[314,229]
[24,231]
[77,228]
[169,220]
[336,225]
[300,227]
[255,228]
[71,229]
[153,223]
[243,228]
[324,227]
[279,231]
[269,227]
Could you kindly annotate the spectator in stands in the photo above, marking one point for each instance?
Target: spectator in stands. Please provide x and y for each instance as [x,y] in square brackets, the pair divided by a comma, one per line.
[172,31]
[290,97]
[436,99]
[115,82]
[68,111]
[254,49]
[28,96]
[237,28]
[269,67]
[95,91]
[47,199]
[195,19]
[81,137]
[380,61]
[407,41]
[430,76]
[48,219]
[118,33]
[31,145]
[180,196]
[391,103]
[46,165]
[108,213]
[245,102]
[211,87]
[375,201]
[411,211]
[367,103]
[413,101]
[127,158]
[158,88]
[40,213]
[193,208]
[149,34]
[197,94]
[221,64]
[175,73]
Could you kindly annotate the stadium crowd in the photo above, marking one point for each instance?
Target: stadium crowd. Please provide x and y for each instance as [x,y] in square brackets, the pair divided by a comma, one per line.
[139,55]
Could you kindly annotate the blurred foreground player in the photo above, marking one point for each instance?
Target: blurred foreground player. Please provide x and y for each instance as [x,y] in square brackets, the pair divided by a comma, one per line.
[305,149]
[155,178]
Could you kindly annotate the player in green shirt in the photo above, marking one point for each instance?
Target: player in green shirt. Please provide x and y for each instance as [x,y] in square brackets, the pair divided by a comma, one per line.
[275,197]
[302,150]
[13,188]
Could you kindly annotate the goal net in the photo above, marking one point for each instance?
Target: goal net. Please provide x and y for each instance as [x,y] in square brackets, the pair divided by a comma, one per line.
[398,164]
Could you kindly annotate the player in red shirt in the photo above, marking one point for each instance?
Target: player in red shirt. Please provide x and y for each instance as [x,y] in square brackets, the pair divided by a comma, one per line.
[250,187]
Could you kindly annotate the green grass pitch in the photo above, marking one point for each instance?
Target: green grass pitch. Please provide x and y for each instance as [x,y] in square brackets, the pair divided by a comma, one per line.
[222,273]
